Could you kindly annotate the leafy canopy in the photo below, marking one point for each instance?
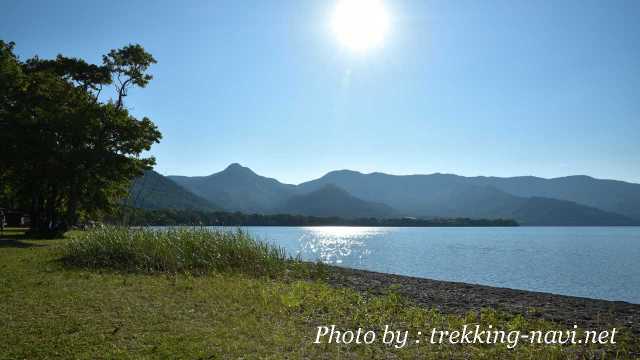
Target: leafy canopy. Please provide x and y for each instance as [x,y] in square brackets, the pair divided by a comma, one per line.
[63,152]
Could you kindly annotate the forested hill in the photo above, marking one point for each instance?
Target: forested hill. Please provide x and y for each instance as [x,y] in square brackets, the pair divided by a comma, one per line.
[154,191]
[170,217]
[331,200]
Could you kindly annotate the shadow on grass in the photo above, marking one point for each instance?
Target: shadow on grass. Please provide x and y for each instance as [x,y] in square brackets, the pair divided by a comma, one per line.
[14,239]
[13,243]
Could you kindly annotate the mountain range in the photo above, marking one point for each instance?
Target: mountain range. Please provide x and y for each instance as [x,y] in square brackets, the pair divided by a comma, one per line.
[572,200]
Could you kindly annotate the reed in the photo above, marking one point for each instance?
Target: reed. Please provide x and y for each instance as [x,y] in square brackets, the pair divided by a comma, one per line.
[174,250]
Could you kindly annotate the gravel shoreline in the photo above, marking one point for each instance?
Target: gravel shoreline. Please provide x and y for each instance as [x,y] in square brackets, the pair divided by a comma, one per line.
[460,298]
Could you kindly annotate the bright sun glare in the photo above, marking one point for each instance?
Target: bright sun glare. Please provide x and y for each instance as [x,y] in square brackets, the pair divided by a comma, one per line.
[360,24]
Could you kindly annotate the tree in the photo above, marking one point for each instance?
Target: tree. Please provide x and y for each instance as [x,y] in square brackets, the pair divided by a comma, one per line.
[129,66]
[63,152]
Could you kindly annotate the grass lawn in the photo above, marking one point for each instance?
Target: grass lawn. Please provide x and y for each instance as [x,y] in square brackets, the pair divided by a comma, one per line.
[50,310]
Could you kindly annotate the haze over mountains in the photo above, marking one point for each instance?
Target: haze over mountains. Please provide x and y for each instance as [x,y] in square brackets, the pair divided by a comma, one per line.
[330,200]
[238,188]
[572,200]
[479,197]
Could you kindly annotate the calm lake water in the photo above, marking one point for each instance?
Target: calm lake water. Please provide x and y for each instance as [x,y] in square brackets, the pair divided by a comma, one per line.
[595,262]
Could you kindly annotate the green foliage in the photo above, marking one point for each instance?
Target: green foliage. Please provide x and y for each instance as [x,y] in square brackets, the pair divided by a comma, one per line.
[63,152]
[129,65]
[89,77]
[195,251]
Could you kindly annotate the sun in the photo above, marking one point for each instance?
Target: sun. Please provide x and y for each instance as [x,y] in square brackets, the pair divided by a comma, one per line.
[360,25]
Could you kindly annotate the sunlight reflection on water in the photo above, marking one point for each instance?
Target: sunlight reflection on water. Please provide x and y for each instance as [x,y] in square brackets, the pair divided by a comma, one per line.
[600,262]
[595,262]
[333,243]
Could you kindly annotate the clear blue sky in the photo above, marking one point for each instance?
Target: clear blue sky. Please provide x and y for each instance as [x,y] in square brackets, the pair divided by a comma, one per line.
[546,88]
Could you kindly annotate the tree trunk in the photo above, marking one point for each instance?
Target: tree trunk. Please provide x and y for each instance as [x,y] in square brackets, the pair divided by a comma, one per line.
[72,207]
[35,212]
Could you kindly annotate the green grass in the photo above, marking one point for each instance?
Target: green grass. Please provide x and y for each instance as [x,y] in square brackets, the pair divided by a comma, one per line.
[174,250]
[51,310]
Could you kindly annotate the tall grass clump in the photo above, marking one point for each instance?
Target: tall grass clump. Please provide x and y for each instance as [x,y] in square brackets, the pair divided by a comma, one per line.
[174,250]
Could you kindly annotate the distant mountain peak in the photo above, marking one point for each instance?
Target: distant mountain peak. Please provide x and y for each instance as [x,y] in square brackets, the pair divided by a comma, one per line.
[239,169]
[238,188]
[235,166]
[581,177]
[343,172]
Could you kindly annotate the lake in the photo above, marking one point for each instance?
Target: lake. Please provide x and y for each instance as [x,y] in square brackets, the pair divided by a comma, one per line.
[594,262]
